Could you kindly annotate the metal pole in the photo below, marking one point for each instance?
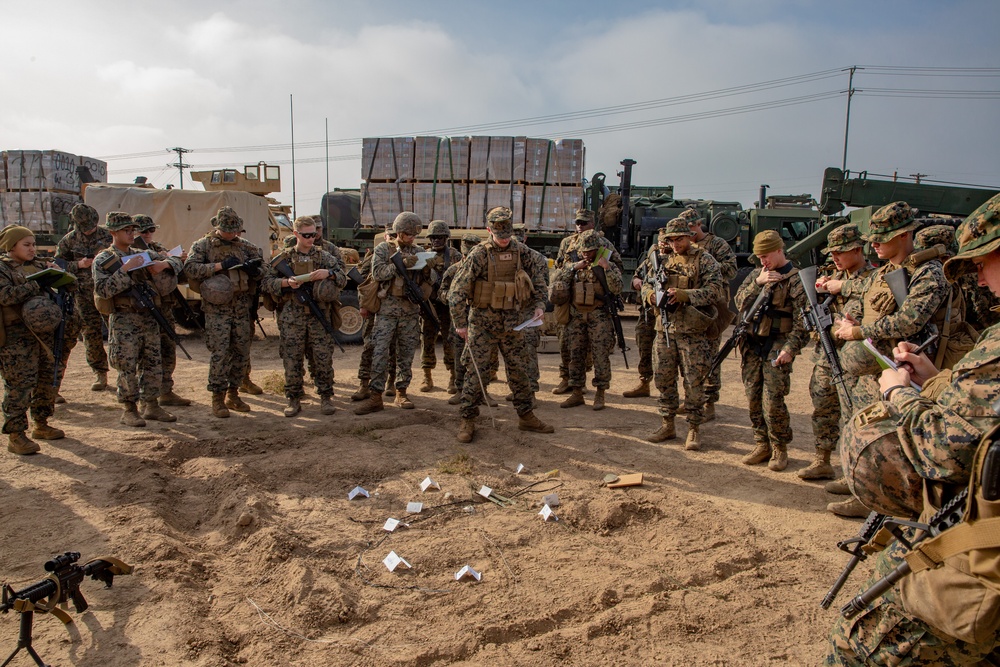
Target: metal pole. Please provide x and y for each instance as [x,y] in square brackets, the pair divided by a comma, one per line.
[327,122]
[847,123]
[291,113]
[181,166]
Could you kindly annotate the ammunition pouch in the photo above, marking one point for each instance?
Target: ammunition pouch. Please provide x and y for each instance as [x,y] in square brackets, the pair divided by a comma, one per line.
[368,295]
[558,293]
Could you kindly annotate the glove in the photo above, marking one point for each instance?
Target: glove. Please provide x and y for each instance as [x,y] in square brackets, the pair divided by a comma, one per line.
[409,261]
[230,262]
[651,299]
[681,296]
[253,267]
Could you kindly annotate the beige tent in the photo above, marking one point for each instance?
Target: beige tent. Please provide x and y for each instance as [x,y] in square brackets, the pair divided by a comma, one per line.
[184,216]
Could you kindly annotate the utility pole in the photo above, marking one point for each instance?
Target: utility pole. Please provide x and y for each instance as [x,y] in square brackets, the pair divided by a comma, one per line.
[291,113]
[917,176]
[180,161]
[847,123]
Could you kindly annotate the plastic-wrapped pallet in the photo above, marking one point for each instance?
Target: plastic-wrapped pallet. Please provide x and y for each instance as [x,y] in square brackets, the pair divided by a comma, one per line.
[42,170]
[441,201]
[483,197]
[382,202]
[557,162]
[438,159]
[551,208]
[497,159]
[38,211]
[387,159]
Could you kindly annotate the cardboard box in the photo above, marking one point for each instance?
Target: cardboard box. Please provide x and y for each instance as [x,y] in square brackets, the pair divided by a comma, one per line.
[42,170]
[554,162]
[497,159]
[38,211]
[387,159]
[438,159]
[441,201]
[483,197]
[551,208]
[382,202]
[98,168]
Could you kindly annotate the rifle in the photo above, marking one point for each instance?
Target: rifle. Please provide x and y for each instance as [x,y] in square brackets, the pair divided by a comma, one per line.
[252,268]
[413,292]
[304,296]
[186,312]
[660,294]
[63,299]
[817,317]
[855,547]
[748,321]
[612,302]
[142,294]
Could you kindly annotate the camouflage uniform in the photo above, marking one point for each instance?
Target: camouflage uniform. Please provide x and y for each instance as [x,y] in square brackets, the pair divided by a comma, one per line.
[365,367]
[724,255]
[302,335]
[532,335]
[168,348]
[469,242]
[590,329]
[429,333]
[645,331]
[73,247]
[698,280]
[780,329]
[940,430]
[228,327]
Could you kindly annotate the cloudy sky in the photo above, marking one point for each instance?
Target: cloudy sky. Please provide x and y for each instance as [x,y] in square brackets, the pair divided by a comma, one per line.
[714,97]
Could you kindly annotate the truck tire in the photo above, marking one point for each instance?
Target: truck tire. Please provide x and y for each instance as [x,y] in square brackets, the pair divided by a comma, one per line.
[351,322]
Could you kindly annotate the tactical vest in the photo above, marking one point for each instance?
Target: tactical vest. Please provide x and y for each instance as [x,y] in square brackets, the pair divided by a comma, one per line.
[498,291]
[778,316]
[12,314]
[878,299]
[683,271]
[122,302]
[220,250]
[587,291]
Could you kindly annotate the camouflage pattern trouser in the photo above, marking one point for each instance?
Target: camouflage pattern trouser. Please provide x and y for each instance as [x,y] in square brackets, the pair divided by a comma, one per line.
[532,339]
[565,353]
[398,333]
[168,352]
[689,352]
[43,400]
[864,390]
[365,367]
[227,336]
[134,351]
[93,335]
[19,361]
[826,403]
[461,359]
[713,383]
[302,336]
[766,387]
[429,336]
[489,330]
[590,336]
[886,635]
[645,334]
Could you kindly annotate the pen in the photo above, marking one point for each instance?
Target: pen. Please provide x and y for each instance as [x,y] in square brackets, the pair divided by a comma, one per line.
[927,343]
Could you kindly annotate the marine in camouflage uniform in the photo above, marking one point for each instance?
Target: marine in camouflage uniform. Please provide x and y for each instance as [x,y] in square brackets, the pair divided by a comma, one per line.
[872,311]
[469,241]
[493,279]
[590,329]
[438,233]
[397,323]
[228,326]
[691,282]
[939,429]
[768,351]
[645,331]
[302,335]
[78,249]
[569,253]
[532,335]
[134,334]
[365,366]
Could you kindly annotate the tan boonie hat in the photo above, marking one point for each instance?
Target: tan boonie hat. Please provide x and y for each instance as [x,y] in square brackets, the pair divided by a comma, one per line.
[690,216]
[767,241]
[675,228]
[890,221]
[943,235]
[979,235]
[844,238]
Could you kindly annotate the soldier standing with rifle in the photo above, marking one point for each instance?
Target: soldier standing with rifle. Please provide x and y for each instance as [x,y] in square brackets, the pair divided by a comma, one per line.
[446,256]
[469,241]
[769,349]
[532,335]
[78,248]
[302,333]
[684,292]
[365,365]
[645,329]
[226,269]
[123,291]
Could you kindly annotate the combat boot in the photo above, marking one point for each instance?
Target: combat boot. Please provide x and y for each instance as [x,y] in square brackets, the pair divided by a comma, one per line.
[326,405]
[452,387]
[598,399]
[820,468]
[574,399]
[170,398]
[390,386]
[428,384]
[362,393]
[100,381]
[562,387]
[294,407]
[371,404]
[466,430]
[638,391]
[837,487]
[761,452]
[130,415]
[455,400]
[779,458]
[708,413]
[666,431]
[42,430]
[20,444]
[234,402]
[490,401]
[402,401]
[151,410]
[509,397]
[693,442]
[59,399]
[529,422]
[248,387]
[852,507]
[219,408]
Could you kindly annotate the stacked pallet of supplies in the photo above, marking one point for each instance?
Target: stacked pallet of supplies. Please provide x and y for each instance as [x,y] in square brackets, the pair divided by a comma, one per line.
[459,179]
[38,189]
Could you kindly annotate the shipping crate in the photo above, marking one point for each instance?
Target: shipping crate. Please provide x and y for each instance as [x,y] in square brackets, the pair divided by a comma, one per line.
[554,162]
[42,170]
[483,197]
[439,159]
[497,159]
[38,211]
[551,208]
[387,159]
[441,201]
[98,168]
[382,202]
[3,171]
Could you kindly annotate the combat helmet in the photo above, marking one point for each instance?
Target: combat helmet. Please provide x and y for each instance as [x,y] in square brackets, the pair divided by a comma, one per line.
[217,290]
[438,228]
[41,315]
[407,222]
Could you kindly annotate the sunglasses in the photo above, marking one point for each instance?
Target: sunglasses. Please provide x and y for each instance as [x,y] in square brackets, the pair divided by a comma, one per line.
[392,235]
[308,235]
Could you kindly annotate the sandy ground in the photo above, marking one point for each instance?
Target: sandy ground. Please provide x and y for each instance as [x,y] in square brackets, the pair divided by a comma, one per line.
[709,562]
